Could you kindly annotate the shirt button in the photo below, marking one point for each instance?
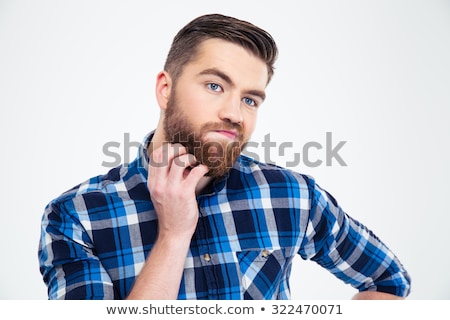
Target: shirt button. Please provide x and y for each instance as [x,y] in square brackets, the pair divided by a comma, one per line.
[207,257]
[265,253]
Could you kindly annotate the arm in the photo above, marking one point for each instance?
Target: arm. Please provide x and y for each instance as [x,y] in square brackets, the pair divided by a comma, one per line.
[69,267]
[161,275]
[351,251]
[374,295]
[172,188]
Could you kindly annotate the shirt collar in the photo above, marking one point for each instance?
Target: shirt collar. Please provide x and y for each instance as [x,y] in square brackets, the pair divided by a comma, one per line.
[143,159]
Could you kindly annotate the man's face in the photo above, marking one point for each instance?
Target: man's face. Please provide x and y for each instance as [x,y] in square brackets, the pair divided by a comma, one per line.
[213,105]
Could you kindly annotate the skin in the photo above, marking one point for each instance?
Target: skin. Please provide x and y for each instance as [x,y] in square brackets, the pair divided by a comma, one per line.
[224,82]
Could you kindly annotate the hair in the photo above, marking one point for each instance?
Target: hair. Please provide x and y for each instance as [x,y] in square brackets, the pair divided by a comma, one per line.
[185,44]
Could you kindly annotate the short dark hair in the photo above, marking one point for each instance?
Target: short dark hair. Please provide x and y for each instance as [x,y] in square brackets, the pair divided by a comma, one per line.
[185,43]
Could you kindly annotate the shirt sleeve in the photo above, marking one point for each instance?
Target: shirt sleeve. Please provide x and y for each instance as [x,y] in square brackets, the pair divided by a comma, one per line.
[67,260]
[349,250]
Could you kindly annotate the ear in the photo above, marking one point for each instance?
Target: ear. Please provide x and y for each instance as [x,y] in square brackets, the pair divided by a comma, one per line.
[163,89]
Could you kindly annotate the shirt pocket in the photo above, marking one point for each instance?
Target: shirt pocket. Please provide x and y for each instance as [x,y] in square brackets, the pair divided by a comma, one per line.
[264,273]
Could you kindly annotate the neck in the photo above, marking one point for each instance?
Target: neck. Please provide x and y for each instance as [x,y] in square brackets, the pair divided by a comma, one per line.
[157,141]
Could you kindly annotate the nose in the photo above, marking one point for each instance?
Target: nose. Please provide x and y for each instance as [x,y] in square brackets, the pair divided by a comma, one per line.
[231,111]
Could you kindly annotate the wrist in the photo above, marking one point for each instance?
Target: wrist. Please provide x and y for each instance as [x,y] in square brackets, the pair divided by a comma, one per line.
[174,240]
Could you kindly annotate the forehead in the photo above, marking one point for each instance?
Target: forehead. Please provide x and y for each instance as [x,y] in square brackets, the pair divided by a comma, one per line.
[237,62]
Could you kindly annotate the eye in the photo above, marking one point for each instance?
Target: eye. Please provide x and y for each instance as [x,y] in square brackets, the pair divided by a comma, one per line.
[214,87]
[249,101]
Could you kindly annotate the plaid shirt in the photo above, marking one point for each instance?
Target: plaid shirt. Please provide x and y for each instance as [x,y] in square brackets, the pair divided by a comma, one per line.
[96,237]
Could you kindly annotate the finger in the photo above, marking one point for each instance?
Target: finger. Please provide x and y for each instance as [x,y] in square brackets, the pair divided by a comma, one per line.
[194,175]
[159,166]
[161,158]
[181,165]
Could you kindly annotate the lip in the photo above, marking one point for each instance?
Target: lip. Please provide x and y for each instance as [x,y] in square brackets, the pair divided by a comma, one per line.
[230,134]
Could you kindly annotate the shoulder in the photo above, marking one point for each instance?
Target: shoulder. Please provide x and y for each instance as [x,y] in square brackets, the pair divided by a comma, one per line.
[100,191]
[270,173]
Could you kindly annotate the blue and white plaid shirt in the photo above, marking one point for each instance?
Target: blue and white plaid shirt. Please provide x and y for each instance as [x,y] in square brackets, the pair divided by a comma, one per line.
[96,237]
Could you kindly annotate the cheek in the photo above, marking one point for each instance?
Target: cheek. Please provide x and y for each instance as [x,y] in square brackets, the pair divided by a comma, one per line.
[204,102]
[196,109]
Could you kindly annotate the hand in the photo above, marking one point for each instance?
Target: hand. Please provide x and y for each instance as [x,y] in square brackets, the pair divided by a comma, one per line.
[173,175]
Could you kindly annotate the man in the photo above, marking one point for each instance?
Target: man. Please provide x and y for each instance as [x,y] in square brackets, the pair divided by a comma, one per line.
[192,218]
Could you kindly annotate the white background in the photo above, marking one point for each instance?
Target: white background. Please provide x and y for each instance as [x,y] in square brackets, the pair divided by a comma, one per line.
[75,75]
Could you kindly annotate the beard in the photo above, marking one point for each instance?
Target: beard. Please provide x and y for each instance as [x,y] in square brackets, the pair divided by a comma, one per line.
[219,156]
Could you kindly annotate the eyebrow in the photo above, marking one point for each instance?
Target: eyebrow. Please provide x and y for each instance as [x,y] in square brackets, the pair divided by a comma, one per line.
[227,79]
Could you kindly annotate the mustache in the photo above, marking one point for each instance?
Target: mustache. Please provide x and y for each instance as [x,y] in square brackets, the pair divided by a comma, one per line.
[193,140]
[212,126]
